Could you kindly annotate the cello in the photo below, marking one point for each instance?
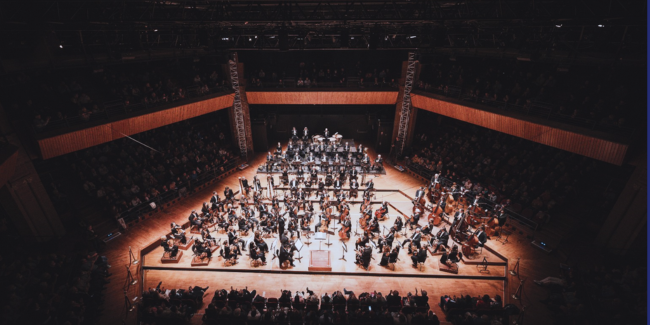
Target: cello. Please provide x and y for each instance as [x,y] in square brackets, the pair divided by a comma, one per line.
[343,233]
[437,219]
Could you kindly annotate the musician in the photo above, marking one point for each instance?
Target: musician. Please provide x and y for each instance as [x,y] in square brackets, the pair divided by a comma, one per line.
[326,133]
[257,185]
[286,255]
[243,224]
[346,148]
[379,163]
[230,252]
[278,149]
[293,185]
[244,184]
[385,255]
[441,238]
[369,187]
[228,194]
[296,157]
[321,188]
[281,223]
[353,173]
[420,256]
[481,235]
[201,250]
[305,133]
[347,225]
[398,224]
[364,255]
[337,185]
[354,188]
[382,212]
[311,157]
[294,134]
[366,159]
[232,213]
[284,239]
[428,228]
[169,246]
[178,233]
[269,157]
[205,209]
[435,179]
[300,195]
[234,239]
[360,150]
[419,194]
[256,253]
[501,218]
[207,237]
[415,239]
[217,205]
[415,218]
[323,158]
[374,226]
[454,255]
[259,242]
[195,220]
[458,216]
[362,241]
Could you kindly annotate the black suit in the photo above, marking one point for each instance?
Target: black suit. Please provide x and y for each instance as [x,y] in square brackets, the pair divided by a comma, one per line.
[421,256]
[482,238]
[443,238]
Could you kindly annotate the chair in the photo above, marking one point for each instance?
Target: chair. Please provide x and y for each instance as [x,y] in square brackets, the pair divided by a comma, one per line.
[272,304]
[326,306]
[299,306]
[311,306]
[260,305]
[285,305]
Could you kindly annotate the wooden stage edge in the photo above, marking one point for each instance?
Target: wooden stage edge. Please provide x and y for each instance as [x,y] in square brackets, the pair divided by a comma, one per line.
[334,273]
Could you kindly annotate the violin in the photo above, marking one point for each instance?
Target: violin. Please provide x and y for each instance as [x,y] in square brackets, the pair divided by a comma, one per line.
[379,212]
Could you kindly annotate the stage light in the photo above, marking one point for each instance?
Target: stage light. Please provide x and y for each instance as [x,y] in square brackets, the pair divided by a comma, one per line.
[601,26]
[60,46]
[155,30]
[352,37]
[413,36]
[558,26]
[250,39]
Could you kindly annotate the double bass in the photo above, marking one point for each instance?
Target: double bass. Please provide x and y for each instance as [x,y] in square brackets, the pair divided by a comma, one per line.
[345,212]
[437,219]
[343,233]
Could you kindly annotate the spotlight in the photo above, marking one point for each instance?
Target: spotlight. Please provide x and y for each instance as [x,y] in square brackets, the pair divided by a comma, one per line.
[558,26]
[155,30]
[601,26]
[250,39]
[60,46]
[412,36]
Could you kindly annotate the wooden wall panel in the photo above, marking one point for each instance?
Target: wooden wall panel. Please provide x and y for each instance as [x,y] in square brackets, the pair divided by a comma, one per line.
[323,97]
[81,139]
[572,141]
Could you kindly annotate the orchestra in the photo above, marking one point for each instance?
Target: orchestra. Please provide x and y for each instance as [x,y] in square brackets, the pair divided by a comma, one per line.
[453,213]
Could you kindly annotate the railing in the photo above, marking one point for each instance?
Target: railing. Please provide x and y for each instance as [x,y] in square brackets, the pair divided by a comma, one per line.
[349,84]
[548,111]
[134,213]
[112,108]
[428,174]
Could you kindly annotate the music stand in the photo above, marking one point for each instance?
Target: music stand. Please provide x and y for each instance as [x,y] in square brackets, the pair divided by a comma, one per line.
[307,235]
[328,237]
[298,244]
[320,236]
[344,250]
[355,230]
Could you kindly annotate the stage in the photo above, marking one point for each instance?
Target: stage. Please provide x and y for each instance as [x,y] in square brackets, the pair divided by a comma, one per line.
[395,187]
[342,261]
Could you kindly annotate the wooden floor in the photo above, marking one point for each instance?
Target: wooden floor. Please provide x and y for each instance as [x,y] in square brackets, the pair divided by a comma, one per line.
[534,263]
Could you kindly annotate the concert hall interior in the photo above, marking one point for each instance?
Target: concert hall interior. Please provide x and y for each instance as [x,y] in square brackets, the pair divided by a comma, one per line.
[334,162]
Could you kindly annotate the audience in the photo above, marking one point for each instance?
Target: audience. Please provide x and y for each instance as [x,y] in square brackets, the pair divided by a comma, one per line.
[316,73]
[127,175]
[52,288]
[160,305]
[535,178]
[238,306]
[597,97]
[74,96]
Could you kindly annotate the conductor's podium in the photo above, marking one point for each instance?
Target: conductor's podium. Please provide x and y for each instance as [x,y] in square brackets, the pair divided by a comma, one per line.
[320,260]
